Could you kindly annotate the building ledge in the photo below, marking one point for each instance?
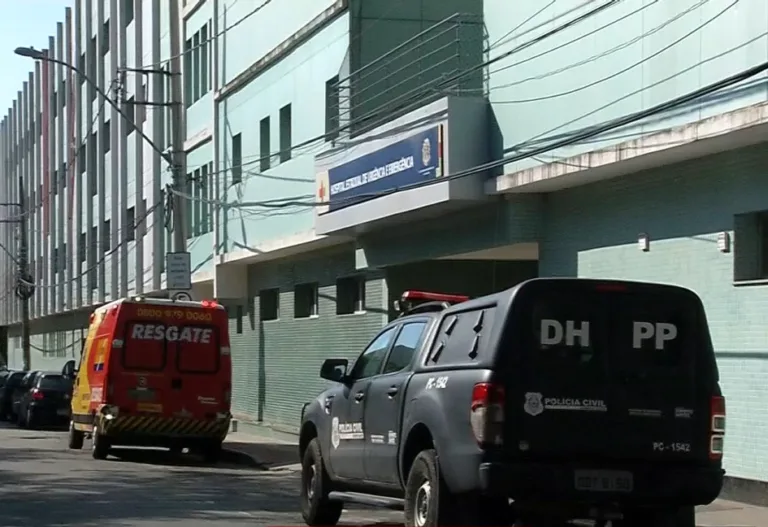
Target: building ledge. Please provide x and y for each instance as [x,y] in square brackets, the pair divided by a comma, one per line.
[200,138]
[279,248]
[190,7]
[723,132]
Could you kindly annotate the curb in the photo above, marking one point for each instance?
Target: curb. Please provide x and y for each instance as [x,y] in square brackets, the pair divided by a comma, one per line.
[238,457]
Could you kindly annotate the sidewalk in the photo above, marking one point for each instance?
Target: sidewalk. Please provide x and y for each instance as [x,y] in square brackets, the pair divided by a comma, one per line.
[262,448]
[724,513]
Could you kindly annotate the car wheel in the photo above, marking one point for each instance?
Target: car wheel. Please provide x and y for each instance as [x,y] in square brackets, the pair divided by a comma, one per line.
[99,444]
[19,420]
[316,508]
[76,437]
[30,419]
[427,499]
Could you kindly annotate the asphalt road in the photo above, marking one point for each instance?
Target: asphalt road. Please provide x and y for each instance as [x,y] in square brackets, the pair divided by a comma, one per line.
[45,484]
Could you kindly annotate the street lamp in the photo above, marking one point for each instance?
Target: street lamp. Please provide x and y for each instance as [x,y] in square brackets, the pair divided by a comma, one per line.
[35,54]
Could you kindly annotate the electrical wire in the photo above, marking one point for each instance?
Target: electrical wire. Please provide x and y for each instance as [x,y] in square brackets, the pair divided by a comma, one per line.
[624,70]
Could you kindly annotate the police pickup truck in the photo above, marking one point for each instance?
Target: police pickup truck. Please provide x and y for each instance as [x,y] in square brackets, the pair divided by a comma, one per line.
[556,400]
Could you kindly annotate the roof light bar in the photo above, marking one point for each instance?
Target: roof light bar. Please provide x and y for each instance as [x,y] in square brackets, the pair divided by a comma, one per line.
[409,296]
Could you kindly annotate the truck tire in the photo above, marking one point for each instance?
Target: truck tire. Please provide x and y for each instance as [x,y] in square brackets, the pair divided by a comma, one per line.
[316,508]
[76,437]
[427,499]
[100,444]
[211,452]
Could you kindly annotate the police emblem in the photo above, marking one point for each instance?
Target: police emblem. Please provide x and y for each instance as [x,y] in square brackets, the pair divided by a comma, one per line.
[426,152]
[533,403]
[335,437]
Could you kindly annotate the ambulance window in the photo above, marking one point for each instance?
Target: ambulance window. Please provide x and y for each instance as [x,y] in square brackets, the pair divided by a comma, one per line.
[197,350]
[143,350]
[565,331]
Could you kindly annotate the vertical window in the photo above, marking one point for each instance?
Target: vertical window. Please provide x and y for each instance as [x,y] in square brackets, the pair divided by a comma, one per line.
[81,159]
[130,112]
[237,159]
[350,295]
[81,248]
[130,224]
[55,262]
[332,108]
[106,137]
[205,187]
[106,241]
[54,104]
[82,67]
[285,133]
[264,145]
[197,204]
[63,176]
[187,72]
[141,111]
[127,12]
[105,38]
[269,304]
[211,195]
[92,54]
[305,300]
[204,60]
[55,182]
[196,67]
[92,159]
[63,257]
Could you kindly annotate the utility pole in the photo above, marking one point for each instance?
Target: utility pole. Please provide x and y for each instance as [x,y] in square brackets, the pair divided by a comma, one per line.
[179,182]
[25,287]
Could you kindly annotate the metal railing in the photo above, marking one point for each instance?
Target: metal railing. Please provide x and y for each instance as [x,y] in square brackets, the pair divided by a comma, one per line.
[446,58]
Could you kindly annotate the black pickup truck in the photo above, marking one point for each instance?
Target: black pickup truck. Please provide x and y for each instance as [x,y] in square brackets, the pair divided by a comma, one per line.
[556,400]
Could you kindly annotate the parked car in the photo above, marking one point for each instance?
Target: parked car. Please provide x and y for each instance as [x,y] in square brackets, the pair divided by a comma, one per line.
[47,402]
[19,390]
[8,384]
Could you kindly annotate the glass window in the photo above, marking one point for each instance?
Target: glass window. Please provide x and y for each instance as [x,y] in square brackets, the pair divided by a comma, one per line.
[369,362]
[200,352]
[142,351]
[54,382]
[405,346]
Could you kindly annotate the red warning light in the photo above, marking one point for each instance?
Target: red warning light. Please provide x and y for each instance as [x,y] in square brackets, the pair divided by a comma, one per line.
[410,296]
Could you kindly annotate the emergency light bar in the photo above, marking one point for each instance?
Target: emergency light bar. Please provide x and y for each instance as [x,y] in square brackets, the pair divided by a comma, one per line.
[410,296]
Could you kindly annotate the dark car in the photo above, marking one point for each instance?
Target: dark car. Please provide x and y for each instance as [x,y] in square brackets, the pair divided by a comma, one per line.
[47,402]
[9,381]
[575,399]
[19,390]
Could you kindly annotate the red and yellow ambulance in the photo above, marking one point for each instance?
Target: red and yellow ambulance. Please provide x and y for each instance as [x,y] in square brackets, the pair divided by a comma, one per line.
[153,372]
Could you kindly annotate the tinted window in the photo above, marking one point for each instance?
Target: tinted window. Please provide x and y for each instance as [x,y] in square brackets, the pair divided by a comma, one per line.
[54,382]
[200,353]
[15,379]
[405,346]
[142,351]
[370,361]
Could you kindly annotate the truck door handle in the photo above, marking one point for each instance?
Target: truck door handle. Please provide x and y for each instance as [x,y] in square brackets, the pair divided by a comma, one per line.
[359,396]
[392,391]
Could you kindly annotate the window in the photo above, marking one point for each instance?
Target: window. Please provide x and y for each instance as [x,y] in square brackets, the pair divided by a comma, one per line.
[196,204]
[63,93]
[237,159]
[82,67]
[350,295]
[405,346]
[142,354]
[285,133]
[130,224]
[332,108]
[204,60]
[370,361]
[130,113]
[92,152]
[202,356]
[55,262]
[187,72]
[106,242]
[92,66]
[127,12]
[54,105]
[32,199]
[209,185]
[305,301]
[81,248]
[63,176]
[82,159]
[106,137]
[63,257]
[269,304]
[264,145]
[55,179]
[196,67]
[750,259]
[105,38]
[141,111]
[205,190]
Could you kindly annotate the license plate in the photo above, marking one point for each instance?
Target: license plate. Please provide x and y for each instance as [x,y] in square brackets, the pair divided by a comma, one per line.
[63,412]
[603,480]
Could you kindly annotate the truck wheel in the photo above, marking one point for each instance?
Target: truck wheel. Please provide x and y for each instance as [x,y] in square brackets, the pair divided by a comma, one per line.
[211,452]
[76,437]
[427,499]
[316,508]
[99,444]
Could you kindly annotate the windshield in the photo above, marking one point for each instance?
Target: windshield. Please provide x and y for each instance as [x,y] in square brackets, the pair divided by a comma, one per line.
[54,382]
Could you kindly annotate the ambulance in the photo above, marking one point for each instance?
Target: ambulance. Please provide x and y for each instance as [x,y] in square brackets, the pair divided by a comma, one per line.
[153,372]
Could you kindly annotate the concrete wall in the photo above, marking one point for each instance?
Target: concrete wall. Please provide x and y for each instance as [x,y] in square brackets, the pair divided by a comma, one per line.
[592,231]
[629,57]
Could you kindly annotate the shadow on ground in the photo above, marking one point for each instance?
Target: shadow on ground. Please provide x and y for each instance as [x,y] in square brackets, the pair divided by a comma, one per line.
[266,455]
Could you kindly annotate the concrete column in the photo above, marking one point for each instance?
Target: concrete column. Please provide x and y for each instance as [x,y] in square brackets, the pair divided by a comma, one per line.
[49,188]
[228,281]
[114,157]
[101,195]
[26,157]
[81,191]
[14,247]
[124,128]
[36,224]
[91,148]
[139,96]
[158,136]
[60,197]
[71,159]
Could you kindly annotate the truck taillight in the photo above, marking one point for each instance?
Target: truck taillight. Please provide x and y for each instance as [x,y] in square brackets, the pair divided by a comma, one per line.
[486,414]
[716,427]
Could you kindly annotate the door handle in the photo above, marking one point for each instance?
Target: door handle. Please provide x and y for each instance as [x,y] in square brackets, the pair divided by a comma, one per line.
[393,391]
[328,401]
[359,396]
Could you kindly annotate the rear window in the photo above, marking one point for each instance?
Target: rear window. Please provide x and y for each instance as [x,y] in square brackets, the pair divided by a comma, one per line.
[144,346]
[632,332]
[15,379]
[54,382]
[199,351]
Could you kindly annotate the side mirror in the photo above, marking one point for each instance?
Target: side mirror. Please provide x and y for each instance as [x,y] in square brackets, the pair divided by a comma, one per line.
[334,370]
[68,370]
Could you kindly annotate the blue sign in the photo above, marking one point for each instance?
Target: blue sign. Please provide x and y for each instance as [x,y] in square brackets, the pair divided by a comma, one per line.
[401,165]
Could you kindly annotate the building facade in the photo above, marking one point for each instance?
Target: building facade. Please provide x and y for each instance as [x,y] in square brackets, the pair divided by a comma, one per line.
[339,152]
